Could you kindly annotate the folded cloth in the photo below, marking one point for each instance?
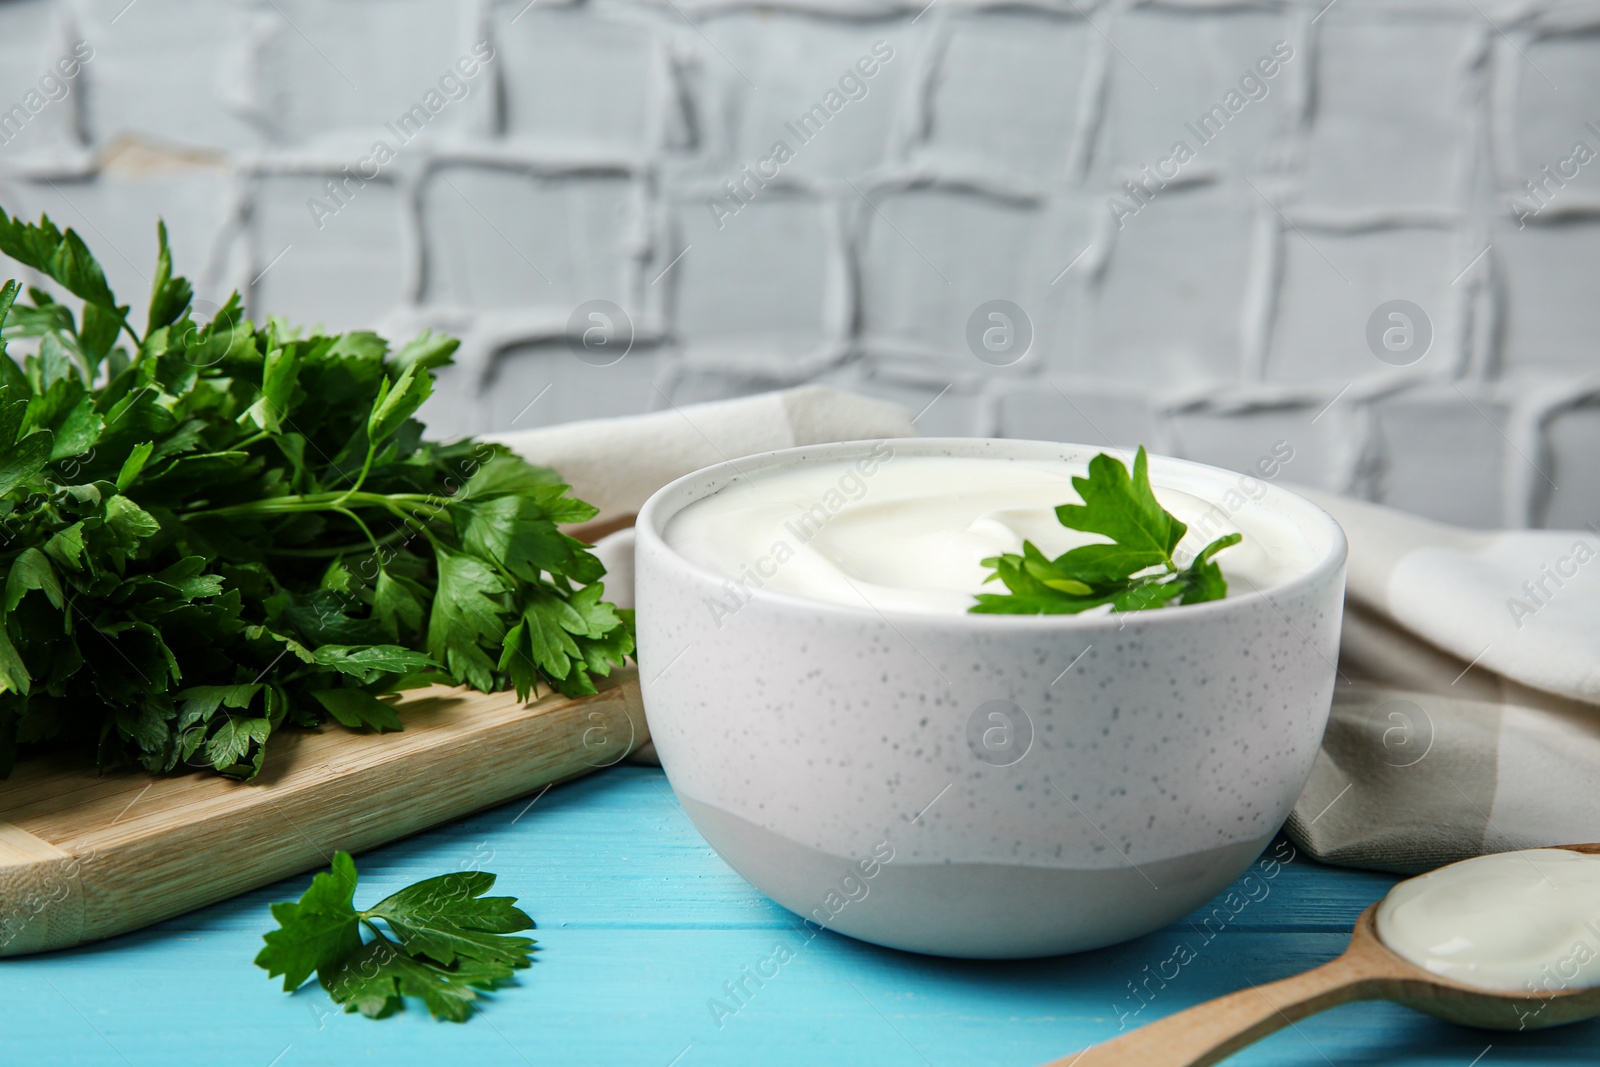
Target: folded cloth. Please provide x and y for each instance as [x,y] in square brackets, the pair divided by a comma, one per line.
[615,464]
[1466,717]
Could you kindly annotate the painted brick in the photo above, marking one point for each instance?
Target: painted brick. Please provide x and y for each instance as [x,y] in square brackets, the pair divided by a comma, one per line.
[1391,128]
[116,215]
[1007,95]
[1573,439]
[1172,68]
[759,280]
[933,256]
[580,84]
[1551,317]
[1076,415]
[17,197]
[346,275]
[698,387]
[1549,121]
[1444,456]
[940,412]
[501,238]
[980,103]
[764,72]
[577,390]
[1172,301]
[1334,282]
[1276,444]
[316,88]
[175,72]
[31,43]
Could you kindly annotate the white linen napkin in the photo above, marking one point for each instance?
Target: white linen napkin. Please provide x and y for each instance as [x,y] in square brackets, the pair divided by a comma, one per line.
[1466,718]
[615,464]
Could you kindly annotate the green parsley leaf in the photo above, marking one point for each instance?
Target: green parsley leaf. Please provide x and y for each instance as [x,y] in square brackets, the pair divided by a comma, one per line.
[1202,580]
[440,940]
[1136,571]
[365,661]
[320,927]
[235,528]
[24,459]
[427,350]
[449,917]
[394,406]
[357,708]
[1124,508]
[169,296]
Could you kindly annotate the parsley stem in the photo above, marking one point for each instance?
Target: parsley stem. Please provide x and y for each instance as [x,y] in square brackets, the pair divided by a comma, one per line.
[366,465]
[347,513]
[370,925]
[402,504]
[337,550]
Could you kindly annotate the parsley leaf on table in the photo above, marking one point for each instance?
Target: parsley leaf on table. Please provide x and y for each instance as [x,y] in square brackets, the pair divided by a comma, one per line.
[217,529]
[445,942]
[1136,571]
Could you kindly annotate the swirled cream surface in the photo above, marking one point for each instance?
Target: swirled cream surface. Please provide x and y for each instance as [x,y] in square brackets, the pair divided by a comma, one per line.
[1516,921]
[910,533]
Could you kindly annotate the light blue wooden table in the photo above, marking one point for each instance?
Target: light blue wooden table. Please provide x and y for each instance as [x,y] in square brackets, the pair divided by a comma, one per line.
[641,925]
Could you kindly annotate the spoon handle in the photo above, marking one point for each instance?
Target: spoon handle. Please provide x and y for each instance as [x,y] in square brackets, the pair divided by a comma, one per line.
[1212,1031]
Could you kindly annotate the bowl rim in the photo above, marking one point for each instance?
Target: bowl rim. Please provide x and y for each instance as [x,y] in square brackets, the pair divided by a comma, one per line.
[649,525]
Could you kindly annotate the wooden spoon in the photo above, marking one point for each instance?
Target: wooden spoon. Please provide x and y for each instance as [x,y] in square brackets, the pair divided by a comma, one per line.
[1368,970]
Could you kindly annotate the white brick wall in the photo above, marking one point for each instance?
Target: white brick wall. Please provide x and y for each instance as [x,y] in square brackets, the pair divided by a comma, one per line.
[1222,312]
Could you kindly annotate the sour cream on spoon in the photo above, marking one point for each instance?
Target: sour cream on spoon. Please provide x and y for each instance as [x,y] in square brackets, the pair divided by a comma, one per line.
[1517,921]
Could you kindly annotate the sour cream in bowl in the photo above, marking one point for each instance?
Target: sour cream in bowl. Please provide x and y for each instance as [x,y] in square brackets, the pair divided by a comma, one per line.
[888,765]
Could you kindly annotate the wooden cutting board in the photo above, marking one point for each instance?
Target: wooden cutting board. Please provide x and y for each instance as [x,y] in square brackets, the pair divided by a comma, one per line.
[85,856]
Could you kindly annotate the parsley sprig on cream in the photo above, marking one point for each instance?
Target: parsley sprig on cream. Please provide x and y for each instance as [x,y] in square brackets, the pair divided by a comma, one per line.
[1135,571]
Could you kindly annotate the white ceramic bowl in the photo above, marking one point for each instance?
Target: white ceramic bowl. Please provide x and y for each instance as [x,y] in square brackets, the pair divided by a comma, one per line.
[936,783]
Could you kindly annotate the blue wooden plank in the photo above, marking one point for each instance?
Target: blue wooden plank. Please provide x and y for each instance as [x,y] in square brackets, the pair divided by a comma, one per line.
[644,930]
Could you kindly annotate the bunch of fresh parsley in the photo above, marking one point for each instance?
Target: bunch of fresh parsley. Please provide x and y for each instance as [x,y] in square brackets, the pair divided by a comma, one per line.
[1135,572]
[445,942]
[209,530]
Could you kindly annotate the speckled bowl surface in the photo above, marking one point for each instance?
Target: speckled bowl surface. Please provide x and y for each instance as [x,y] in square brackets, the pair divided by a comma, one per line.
[987,785]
